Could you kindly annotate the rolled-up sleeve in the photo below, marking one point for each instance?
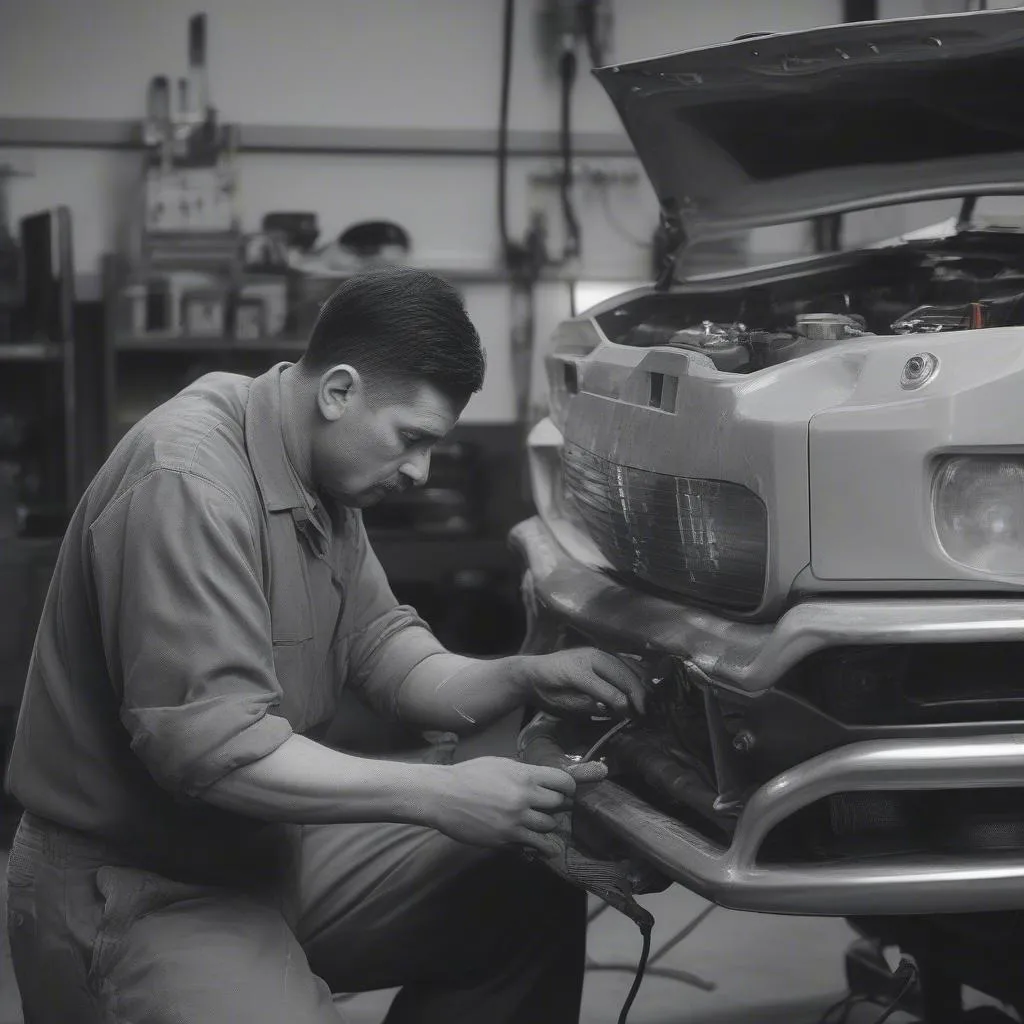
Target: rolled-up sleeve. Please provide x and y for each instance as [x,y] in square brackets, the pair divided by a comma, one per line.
[382,641]
[186,629]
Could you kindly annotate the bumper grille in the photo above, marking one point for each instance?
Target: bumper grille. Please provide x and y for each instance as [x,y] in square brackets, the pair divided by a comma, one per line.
[702,539]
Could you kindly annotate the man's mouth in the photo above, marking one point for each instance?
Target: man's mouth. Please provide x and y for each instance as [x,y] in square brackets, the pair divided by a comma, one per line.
[392,487]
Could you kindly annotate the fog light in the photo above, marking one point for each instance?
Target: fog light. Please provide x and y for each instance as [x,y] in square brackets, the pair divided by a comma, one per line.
[978,504]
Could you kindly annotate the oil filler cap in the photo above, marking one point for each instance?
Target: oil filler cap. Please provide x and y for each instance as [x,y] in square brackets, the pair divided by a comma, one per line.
[918,370]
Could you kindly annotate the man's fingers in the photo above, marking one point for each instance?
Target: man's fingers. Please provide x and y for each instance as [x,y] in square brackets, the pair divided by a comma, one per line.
[550,800]
[588,771]
[536,821]
[622,677]
[552,778]
[546,845]
[588,691]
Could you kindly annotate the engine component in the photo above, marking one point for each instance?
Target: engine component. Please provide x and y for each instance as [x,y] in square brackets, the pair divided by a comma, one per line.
[918,370]
[993,311]
[769,347]
[829,326]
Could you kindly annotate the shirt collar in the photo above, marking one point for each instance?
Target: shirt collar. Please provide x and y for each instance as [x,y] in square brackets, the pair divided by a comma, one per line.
[276,476]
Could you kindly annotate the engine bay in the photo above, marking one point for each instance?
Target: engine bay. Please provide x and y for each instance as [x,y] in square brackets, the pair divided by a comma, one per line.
[972,281]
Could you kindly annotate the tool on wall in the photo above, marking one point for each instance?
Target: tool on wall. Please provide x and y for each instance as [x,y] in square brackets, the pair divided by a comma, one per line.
[190,178]
[564,26]
[185,251]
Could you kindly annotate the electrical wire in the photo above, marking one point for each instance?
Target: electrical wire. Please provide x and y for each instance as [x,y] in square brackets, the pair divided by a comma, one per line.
[588,17]
[506,89]
[604,738]
[846,1005]
[641,967]
[899,997]
[906,970]
[648,964]
[567,73]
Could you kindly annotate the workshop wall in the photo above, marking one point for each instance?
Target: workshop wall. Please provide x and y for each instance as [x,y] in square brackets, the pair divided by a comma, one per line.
[362,63]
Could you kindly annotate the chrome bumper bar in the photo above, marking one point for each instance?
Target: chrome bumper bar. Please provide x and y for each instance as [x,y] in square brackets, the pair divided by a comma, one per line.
[748,656]
[733,876]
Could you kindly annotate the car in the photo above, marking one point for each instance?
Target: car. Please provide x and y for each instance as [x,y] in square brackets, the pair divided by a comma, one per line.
[794,494]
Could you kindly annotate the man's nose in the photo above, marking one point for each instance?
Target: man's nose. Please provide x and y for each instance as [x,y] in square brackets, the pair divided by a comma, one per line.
[417,469]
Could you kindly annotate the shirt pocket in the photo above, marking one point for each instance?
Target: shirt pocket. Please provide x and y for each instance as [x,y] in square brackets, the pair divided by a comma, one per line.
[291,621]
[291,610]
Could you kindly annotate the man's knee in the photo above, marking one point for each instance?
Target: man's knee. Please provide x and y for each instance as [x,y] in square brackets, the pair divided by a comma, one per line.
[175,952]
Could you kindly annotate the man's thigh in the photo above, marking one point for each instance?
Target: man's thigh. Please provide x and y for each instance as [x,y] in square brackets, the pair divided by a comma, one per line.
[387,905]
[168,952]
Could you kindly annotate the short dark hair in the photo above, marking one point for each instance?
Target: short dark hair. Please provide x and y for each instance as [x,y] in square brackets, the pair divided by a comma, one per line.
[399,325]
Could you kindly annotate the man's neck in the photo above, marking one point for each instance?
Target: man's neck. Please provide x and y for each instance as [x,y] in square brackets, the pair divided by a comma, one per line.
[296,405]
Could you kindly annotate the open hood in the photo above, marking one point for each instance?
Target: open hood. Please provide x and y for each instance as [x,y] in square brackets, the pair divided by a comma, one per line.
[785,127]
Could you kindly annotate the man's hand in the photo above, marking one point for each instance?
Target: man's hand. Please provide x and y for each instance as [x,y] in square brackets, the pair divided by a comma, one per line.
[584,681]
[495,801]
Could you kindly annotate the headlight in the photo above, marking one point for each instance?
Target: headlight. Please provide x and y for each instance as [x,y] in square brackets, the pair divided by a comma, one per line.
[979,512]
[703,539]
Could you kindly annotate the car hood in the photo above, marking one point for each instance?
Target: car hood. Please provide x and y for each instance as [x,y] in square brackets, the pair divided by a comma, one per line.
[785,127]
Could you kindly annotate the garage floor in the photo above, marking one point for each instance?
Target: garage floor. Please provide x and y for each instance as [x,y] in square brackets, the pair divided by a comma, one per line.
[767,970]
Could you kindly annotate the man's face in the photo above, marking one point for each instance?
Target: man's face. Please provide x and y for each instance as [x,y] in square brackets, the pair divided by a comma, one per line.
[371,445]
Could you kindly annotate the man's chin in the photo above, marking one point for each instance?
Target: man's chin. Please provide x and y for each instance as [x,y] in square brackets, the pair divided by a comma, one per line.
[368,498]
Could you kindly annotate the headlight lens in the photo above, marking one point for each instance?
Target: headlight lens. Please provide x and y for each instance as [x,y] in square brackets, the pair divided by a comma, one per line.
[979,512]
[703,539]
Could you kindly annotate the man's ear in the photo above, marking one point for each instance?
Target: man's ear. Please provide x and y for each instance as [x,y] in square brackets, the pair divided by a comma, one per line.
[338,386]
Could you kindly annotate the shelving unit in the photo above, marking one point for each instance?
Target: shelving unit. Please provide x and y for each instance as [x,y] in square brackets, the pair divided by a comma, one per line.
[41,368]
[47,384]
[209,345]
[31,352]
[141,372]
[105,133]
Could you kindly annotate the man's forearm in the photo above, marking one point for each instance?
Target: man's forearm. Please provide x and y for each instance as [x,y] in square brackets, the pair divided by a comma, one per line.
[463,695]
[305,783]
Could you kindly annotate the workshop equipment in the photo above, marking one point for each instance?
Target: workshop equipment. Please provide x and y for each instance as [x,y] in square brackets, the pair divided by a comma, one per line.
[375,241]
[10,261]
[188,214]
[185,255]
[190,177]
[262,306]
[175,303]
[294,230]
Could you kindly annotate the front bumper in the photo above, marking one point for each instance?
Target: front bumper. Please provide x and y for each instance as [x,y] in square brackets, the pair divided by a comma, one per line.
[751,657]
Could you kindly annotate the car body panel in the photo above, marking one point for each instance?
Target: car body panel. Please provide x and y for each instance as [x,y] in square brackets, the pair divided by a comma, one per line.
[863,115]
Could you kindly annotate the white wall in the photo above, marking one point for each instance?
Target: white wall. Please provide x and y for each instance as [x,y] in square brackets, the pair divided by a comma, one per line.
[352,63]
[390,63]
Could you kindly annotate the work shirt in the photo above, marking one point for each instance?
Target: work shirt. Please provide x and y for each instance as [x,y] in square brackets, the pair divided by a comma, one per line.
[203,608]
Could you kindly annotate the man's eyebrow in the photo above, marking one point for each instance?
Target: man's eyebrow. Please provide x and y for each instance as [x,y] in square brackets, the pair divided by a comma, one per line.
[426,432]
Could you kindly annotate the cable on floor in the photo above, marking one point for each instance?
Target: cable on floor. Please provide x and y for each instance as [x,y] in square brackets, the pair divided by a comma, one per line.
[907,970]
[638,978]
[648,965]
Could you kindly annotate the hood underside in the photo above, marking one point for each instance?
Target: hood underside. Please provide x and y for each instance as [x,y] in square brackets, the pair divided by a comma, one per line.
[781,128]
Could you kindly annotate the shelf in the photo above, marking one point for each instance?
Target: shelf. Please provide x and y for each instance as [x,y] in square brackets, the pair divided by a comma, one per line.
[31,352]
[191,346]
[100,133]
[19,548]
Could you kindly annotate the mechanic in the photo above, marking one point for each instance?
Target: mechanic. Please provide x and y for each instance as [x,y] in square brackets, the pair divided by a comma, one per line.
[189,852]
